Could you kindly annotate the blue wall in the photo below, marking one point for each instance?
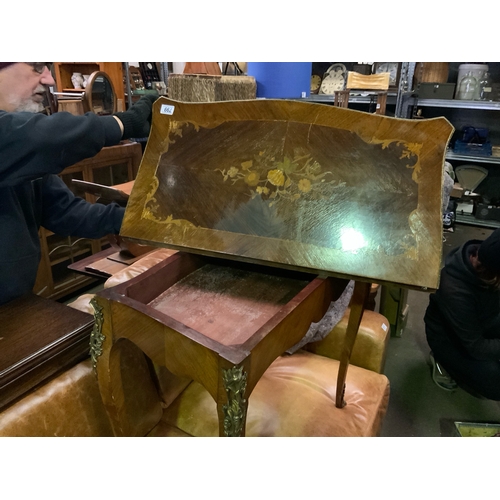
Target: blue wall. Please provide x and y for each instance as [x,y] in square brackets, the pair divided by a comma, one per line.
[281,79]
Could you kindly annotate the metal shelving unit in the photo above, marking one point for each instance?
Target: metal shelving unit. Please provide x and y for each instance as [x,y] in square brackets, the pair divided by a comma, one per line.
[354,97]
[457,104]
[470,220]
[495,160]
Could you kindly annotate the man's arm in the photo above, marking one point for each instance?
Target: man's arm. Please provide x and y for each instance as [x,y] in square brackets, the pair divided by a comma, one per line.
[32,145]
[68,215]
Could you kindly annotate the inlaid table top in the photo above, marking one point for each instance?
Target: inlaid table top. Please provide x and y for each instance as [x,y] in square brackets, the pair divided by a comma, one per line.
[297,185]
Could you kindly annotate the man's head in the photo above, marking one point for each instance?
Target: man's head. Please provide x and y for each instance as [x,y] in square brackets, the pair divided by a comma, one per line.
[489,252]
[23,86]
[486,260]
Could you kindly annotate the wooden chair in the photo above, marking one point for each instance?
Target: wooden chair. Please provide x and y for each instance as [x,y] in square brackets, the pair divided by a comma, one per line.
[341,98]
[376,85]
[381,103]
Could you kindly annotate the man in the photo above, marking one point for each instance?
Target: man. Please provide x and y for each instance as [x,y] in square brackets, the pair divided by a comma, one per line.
[462,320]
[33,148]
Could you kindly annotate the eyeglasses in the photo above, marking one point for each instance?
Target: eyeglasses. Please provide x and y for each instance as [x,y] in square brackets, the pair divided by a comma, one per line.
[39,67]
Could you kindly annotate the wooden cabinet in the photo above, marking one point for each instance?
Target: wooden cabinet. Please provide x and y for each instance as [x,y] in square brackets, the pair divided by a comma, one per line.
[64,70]
[112,165]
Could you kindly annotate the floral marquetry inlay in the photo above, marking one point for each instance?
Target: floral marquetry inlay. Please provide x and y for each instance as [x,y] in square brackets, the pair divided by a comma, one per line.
[275,179]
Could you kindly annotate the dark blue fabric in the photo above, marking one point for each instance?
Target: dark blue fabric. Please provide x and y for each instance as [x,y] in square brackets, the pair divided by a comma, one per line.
[462,324]
[32,148]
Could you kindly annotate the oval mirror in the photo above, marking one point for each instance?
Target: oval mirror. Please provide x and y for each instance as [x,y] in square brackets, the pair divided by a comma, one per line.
[100,95]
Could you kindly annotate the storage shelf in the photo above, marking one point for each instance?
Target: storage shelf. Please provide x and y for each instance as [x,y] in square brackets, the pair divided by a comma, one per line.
[474,159]
[470,220]
[457,104]
[353,98]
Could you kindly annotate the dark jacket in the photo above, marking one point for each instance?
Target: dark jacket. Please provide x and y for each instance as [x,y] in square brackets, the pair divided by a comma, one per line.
[34,147]
[464,308]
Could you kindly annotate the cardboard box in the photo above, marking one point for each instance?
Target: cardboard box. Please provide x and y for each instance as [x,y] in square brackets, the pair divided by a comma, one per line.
[457,191]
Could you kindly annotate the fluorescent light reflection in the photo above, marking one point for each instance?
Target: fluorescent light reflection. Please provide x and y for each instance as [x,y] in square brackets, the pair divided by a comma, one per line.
[351,240]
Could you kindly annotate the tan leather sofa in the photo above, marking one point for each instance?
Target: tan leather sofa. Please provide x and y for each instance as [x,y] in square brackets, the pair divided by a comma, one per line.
[295,396]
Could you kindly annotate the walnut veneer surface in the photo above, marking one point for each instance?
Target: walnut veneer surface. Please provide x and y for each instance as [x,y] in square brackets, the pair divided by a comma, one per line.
[38,338]
[296,185]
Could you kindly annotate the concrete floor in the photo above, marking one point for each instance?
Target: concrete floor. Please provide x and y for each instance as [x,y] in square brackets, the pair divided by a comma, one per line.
[417,407]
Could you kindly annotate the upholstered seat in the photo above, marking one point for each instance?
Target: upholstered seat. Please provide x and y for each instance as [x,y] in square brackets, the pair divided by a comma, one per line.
[295,397]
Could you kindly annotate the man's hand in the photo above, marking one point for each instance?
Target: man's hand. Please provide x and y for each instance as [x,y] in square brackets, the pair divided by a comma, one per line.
[136,121]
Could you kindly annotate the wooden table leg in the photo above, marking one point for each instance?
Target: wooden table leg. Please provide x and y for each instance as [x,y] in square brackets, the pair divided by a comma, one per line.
[358,302]
[101,343]
[232,404]
[124,378]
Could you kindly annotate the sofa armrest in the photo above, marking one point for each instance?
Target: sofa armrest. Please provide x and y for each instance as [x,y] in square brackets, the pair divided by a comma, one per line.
[68,405]
[71,405]
[370,347]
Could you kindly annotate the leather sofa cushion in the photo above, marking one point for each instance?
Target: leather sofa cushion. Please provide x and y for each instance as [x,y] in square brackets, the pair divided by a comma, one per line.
[370,347]
[295,397]
[68,405]
[139,266]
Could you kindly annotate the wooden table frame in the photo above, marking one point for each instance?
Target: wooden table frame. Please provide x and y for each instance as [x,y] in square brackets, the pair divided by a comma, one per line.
[229,373]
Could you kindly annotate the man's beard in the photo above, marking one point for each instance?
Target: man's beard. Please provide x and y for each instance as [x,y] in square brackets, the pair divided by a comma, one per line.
[28,104]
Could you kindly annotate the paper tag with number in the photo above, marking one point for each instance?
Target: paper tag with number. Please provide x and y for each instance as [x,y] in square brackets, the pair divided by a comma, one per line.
[166,109]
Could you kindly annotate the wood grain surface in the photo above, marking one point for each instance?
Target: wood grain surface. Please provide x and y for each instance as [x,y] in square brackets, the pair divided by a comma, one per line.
[38,338]
[297,185]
